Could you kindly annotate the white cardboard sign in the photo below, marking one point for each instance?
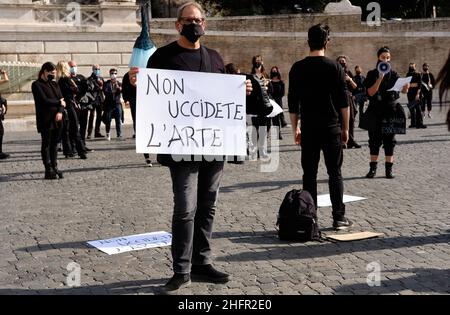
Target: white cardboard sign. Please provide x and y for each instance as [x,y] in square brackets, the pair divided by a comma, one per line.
[190,113]
[124,244]
[325,201]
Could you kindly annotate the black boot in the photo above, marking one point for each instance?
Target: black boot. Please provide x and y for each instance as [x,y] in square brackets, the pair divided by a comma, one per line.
[50,173]
[389,170]
[373,170]
[58,172]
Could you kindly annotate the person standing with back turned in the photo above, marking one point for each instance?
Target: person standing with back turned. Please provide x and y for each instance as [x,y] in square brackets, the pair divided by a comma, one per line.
[318,94]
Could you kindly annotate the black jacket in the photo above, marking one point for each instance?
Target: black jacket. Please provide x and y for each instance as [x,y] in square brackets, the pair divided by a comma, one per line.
[47,101]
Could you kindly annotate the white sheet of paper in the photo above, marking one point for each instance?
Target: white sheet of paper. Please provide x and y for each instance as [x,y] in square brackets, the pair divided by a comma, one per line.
[401,82]
[276,109]
[129,243]
[325,201]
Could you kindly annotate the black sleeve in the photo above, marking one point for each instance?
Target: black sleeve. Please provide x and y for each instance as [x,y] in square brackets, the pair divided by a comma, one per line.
[41,98]
[433,81]
[156,60]
[371,78]
[283,88]
[216,61]
[340,94]
[126,86]
[293,95]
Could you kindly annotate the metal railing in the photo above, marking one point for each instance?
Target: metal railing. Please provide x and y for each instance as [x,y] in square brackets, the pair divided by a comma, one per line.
[18,73]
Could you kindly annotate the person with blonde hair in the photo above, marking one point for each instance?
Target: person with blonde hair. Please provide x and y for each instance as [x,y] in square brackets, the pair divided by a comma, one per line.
[71,134]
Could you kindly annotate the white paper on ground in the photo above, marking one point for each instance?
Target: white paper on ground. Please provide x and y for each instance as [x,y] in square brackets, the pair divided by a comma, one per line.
[124,244]
[325,201]
[401,82]
[276,109]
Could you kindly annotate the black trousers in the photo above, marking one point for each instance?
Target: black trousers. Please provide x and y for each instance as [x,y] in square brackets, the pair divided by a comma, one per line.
[74,132]
[376,139]
[416,113]
[49,147]
[331,145]
[2,132]
[98,120]
[427,98]
[133,113]
[195,190]
[83,119]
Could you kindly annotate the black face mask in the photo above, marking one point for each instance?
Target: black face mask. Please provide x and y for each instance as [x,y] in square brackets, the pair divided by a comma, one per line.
[50,77]
[192,32]
[273,74]
[411,69]
[258,65]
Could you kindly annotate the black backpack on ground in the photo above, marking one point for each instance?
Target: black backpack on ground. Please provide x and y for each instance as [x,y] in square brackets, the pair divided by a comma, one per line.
[297,217]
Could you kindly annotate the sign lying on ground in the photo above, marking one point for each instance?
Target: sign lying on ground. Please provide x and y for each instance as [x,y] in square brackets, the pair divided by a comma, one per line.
[190,113]
[325,201]
[124,244]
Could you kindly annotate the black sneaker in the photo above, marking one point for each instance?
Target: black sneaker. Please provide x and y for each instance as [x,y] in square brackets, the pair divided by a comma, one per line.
[178,281]
[342,225]
[98,135]
[149,162]
[207,273]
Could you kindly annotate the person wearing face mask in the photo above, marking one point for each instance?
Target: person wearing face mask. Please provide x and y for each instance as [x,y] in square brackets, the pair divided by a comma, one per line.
[259,141]
[428,83]
[81,100]
[381,103]
[195,182]
[443,79]
[49,104]
[71,134]
[113,104]
[277,92]
[414,101]
[96,98]
[351,86]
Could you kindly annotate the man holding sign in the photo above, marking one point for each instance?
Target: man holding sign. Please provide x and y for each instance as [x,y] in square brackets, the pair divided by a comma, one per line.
[184,127]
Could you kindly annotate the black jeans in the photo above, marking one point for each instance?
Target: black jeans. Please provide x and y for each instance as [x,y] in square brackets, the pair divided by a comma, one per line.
[195,189]
[83,117]
[427,98]
[74,138]
[98,120]
[331,145]
[49,147]
[416,113]
[2,132]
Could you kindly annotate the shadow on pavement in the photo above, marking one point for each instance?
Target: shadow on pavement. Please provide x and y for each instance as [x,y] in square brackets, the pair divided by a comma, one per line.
[315,249]
[152,286]
[424,280]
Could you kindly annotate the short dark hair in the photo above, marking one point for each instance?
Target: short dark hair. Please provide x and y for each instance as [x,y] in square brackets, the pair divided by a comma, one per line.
[231,68]
[112,70]
[318,36]
[384,49]
[48,66]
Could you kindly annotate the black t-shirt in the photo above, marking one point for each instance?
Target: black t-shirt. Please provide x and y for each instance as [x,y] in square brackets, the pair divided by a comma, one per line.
[175,57]
[317,91]
[382,96]
[412,91]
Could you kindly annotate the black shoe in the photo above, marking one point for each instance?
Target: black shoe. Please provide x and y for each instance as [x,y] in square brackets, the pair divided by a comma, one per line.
[178,281]
[82,156]
[412,126]
[98,135]
[342,224]
[50,174]
[149,162]
[3,156]
[389,170]
[88,150]
[373,170]
[69,155]
[207,273]
[59,173]
[421,127]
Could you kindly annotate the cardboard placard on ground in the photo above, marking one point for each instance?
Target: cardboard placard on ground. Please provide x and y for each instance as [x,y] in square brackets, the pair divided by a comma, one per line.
[353,236]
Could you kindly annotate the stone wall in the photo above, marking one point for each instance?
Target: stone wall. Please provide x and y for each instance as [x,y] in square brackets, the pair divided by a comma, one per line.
[281,40]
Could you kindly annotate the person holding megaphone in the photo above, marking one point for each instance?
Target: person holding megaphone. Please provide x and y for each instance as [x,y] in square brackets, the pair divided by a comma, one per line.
[381,103]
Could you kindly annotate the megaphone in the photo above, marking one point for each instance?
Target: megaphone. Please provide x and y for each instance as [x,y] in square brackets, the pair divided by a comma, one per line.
[384,67]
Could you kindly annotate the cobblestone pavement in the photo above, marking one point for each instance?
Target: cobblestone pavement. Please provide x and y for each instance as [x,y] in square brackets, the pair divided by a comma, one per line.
[46,224]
